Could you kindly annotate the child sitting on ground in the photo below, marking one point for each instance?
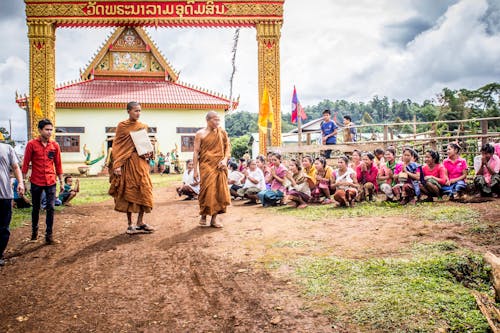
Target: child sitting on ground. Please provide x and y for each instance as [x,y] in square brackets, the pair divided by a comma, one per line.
[20,200]
[68,193]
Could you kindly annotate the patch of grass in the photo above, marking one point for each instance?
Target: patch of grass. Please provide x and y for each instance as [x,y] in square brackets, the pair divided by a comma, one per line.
[92,190]
[292,243]
[421,294]
[453,214]
[20,216]
[435,212]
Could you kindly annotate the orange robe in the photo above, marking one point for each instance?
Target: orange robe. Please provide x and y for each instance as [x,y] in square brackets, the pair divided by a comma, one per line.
[133,190]
[214,194]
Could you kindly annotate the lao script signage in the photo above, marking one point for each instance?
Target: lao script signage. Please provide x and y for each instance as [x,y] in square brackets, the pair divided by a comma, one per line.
[156,12]
[189,8]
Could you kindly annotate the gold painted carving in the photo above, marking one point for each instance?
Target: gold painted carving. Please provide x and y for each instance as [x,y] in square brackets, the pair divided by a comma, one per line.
[235,9]
[54,10]
[41,37]
[268,37]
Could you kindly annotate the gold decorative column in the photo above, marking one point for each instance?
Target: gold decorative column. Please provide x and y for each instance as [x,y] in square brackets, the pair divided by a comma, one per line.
[268,39]
[42,103]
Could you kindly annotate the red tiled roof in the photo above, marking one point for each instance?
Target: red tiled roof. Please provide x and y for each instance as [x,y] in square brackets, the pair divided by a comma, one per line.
[153,94]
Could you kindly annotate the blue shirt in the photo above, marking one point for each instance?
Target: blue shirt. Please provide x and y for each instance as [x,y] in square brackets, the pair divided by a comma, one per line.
[328,128]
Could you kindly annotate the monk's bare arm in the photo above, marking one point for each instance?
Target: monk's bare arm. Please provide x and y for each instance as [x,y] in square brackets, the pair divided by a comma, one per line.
[196,153]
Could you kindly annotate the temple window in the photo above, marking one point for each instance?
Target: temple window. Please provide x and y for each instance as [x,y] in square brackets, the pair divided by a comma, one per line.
[69,143]
[187,130]
[70,129]
[187,143]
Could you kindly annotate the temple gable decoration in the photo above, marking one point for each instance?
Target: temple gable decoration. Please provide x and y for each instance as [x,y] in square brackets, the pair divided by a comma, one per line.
[130,52]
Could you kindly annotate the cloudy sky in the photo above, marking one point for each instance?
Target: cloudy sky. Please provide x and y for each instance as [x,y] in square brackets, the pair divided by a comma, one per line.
[335,49]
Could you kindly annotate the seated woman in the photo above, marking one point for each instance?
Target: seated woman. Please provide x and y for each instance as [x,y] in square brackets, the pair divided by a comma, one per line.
[487,180]
[234,179]
[299,189]
[355,159]
[254,182]
[366,173]
[434,175]
[190,187]
[346,183]
[274,195]
[456,168]
[385,177]
[323,181]
[308,167]
[379,159]
[407,174]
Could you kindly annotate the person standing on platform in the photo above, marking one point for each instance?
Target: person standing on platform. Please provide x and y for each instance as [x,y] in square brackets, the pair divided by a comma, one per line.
[8,162]
[328,132]
[349,129]
[212,150]
[44,155]
[131,185]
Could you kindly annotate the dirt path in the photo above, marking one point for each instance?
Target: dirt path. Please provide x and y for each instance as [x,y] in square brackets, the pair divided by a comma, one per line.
[182,278]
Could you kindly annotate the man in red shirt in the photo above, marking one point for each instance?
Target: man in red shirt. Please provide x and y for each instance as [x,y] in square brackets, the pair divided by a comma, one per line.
[44,155]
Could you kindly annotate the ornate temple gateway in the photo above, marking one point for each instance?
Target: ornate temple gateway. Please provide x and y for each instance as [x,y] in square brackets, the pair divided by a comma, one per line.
[44,16]
[129,67]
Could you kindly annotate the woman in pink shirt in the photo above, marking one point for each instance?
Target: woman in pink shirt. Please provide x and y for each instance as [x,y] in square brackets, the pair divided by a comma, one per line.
[274,195]
[456,168]
[434,175]
[487,179]
[366,173]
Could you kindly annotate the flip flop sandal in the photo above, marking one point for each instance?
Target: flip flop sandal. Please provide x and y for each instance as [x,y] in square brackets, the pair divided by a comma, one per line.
[130,230]
[216,225]
[144,227]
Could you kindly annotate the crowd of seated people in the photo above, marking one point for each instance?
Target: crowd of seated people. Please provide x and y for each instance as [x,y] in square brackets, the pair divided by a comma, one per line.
[365,176]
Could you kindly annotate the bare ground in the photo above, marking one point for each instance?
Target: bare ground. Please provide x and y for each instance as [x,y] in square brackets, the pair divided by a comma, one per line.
[185,278]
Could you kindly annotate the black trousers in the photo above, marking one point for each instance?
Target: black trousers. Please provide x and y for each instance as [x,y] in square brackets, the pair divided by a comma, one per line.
[5,217]
[36,195]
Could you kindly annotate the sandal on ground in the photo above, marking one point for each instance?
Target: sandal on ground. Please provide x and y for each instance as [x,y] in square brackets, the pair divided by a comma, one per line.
[203,221]
[216,225]
[145,227]
[130,230]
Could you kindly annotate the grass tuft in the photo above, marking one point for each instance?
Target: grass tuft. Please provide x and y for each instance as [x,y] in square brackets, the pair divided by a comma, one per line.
[434,212]
[422,294]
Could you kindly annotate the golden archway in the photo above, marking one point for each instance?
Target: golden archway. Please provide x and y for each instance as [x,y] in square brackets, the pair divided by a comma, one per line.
[44,16]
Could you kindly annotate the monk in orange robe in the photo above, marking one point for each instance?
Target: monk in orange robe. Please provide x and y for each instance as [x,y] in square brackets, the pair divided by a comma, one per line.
[212,151]
[131,185]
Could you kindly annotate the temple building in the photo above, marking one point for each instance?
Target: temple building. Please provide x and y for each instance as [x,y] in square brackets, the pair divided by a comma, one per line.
[128,67]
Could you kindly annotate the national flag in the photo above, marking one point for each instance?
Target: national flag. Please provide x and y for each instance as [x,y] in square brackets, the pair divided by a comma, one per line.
[266,113]
[297,109]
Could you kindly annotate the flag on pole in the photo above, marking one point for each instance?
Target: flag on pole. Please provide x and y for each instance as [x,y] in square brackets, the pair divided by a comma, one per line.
[266,113]
[297,109]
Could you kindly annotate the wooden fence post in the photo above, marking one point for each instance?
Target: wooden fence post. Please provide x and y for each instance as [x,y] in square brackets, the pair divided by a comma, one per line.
[484,131]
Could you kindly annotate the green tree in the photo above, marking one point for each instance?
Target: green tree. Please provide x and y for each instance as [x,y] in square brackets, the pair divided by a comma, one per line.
[239,145]
[241,123]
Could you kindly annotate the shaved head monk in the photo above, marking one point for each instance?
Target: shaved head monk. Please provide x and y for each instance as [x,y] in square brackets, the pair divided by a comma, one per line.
[211,153]
[130,183]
